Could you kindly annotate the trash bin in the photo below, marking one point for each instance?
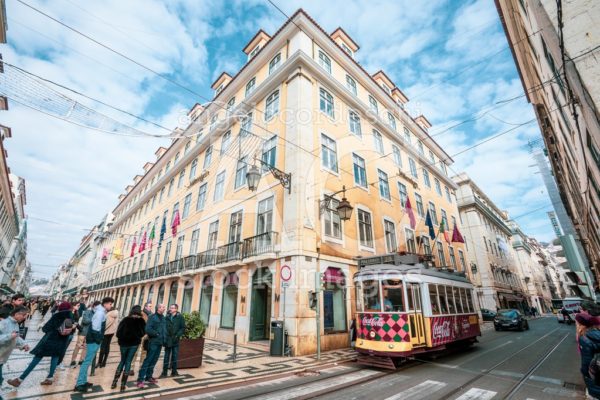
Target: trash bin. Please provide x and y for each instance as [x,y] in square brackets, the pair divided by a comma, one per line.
[276,348]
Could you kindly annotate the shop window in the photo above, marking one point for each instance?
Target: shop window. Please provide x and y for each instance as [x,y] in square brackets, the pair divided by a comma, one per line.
[188,291]
[229,305]
[206,299]
[334,301]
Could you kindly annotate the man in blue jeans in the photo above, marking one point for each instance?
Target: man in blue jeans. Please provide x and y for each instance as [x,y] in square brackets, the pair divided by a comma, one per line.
[93,340]
[156,331]
[175,325]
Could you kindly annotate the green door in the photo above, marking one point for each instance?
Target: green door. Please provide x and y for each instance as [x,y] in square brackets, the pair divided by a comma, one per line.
[261,301]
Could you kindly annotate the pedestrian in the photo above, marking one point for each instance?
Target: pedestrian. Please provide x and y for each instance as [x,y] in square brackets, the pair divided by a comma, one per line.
[175,327]
[17,300]
[93,340]
[34,307]
[156,331]
[45,308]
[112,322]
[143,349]
[566,315]
[130,332]
[9,335]
[56,332]
[588,329]
[75,315]
[82,327]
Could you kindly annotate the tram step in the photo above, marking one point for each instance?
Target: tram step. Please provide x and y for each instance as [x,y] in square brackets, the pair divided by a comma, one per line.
[376,361]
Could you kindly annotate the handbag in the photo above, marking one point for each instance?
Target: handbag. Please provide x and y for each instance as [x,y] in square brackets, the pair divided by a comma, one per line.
[23,331]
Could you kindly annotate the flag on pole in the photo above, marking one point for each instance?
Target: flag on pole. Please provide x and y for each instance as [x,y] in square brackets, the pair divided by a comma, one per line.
[151,237]
[411,214]
[444,231]
[133,246]
[163,230]
[118,250]
[456,236]
[430,226]
[176,223]
[143,243]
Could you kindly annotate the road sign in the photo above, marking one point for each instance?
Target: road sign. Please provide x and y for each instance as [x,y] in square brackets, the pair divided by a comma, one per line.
[285,273]
[285,284]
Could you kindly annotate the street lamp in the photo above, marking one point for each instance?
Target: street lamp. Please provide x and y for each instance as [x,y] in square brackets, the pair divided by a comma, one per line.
[253,176]
[344,209]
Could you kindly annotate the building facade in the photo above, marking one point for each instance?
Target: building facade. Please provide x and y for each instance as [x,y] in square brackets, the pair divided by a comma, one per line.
[491,263]
[554,44]
[190,231]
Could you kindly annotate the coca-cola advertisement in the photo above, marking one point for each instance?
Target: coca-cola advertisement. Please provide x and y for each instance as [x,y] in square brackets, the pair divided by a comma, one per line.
[450,328]
[383,327]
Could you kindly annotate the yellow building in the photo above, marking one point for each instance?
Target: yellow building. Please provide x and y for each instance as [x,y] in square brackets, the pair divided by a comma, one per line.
[304,106]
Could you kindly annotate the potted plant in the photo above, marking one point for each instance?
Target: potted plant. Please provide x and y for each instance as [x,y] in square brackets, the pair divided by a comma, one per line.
[191,345]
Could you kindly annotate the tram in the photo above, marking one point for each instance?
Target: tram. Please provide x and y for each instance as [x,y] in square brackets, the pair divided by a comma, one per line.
[405,306]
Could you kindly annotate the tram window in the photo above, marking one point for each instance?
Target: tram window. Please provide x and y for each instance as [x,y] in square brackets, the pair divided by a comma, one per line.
[442,297]
[459,307]
[463,298]
[433,298]
[371,295]
[360,307]
[450,299]
[393,297]
[470,301]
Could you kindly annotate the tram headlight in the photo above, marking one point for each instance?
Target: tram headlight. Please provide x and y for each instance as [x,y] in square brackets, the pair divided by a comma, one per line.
[391,346]
[372,334]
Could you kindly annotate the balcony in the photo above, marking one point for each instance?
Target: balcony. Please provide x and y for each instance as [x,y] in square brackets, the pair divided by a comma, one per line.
[229,252]
[260,244]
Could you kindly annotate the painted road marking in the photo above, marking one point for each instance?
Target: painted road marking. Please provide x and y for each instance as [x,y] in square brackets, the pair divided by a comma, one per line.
[477,394]
[506,373]
[420,391]
[546,380]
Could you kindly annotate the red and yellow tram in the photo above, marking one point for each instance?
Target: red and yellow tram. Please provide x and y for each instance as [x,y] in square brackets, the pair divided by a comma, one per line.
[406,307]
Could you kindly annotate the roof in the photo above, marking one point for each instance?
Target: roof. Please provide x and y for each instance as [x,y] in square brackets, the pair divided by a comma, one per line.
[224,75]
[342,33]
[384,77]
[260,34]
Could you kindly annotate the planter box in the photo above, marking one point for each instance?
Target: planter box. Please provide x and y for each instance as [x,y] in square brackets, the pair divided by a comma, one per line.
[190,353]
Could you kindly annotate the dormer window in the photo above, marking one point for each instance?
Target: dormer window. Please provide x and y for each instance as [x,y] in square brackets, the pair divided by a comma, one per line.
[250,86]
[324,61]
[274,63]
[347,49]
[253,52]
[386,88]
[219,89]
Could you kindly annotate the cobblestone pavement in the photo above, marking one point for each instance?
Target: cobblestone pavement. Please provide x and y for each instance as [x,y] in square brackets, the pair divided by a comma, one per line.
[218,368]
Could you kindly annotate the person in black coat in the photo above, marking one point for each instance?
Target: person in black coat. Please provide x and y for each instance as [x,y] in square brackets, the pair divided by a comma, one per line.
[51,345]
[175,325]
[130,332]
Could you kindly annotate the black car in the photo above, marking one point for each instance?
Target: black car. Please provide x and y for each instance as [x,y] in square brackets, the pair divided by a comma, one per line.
[487,315]
[510,319]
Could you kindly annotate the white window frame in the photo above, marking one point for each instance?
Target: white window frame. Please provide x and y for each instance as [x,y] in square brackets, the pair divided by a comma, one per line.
[326,148]
[373,106]
[426,179]
[391,121]
[362,247]
[384,185]
[219,192]
[324,61]
[332,213]
[326,103]
[378,141]
[364,168]
[397,155]
[351,85]
[413,168]
[274,63]
[272,105]
[354,123]
[250,86]
[385,237]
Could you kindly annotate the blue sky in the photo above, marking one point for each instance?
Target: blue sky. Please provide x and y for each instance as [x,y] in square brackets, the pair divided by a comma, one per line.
[451,58]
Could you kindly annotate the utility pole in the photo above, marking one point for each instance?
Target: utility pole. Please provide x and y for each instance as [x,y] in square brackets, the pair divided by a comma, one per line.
[318,295]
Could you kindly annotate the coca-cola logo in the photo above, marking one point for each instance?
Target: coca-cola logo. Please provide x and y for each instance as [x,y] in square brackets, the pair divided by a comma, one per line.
[373,321]
[441,331]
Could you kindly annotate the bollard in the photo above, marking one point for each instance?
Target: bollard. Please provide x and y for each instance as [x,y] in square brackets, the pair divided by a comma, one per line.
[234,347]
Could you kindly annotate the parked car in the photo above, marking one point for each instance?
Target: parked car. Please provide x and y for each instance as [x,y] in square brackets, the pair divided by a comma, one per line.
[487,315]
[510,319]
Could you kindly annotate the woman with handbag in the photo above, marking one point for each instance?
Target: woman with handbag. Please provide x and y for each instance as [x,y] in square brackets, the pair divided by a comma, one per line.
[57,331]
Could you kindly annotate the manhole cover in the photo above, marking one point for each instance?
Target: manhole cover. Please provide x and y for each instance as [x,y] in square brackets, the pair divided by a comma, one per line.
[308,372]
[573,386]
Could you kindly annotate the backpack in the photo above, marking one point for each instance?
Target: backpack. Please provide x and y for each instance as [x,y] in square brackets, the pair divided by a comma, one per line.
[66,328]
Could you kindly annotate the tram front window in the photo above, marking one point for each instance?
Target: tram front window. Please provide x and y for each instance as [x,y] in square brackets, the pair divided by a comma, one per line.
[370,295]
[393,297]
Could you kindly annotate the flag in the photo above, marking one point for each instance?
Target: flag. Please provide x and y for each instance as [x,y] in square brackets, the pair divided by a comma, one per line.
[176,223]
[163,230]
[151,237]
[456,236]
[444,231]
[118,251]
[133,246]
[411,214]
[142,243]
[430,226]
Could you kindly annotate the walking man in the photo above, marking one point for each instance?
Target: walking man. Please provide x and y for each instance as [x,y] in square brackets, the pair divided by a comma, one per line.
[9,335]
[156,331]
[175,325]
[94,338]
[83,327]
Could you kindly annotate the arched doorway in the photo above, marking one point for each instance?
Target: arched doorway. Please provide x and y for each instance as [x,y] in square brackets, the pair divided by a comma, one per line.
[206,298]
[260,308]
[161,294]
[173,293]
[188,291]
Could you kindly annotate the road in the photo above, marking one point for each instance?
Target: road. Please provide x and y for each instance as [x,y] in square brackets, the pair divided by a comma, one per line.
[541,363]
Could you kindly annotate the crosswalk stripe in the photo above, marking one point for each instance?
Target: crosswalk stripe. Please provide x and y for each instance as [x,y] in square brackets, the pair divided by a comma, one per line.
[477,394]
[418,392]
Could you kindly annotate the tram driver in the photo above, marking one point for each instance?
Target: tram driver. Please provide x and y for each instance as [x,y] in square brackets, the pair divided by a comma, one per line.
[387,303]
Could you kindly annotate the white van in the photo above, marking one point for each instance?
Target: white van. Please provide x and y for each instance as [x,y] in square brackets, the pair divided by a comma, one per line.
[572,305]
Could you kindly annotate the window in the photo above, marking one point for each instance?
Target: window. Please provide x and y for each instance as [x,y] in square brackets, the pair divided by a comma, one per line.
[181,179]
[201,197]
[441,257]
[397,155]
[186,205]
[207,157]
[426,244]
[187,147]
[171,184]
[410,240]
[347,49]
[452,257]
[235,227]
[240,173]
[420,148]
[445,218]
[390,236]
[386,88]
[264,217]
[219,187]
[246,125]
[206,298]
[250,86]
[433,213]
[188,290]
[225,142]
[179,249]
[351,84]
[254,52]
[450,299]
[406,135]
[438,187]
[384,187]
[461,259]
[360,172]
[213,122]
[431,157]
[329,153]
[274,63]
[403,194]
[228,308]
[176,158]
[334,303]
[167,253]
[326,102]
[413,168]
[160,197]
[355,123]
[272,105]
[433,297]
[420,208]
[378,141]
[373,104]
[230,105]
[193,168]
[324,61]
[175,210]
[331,220]
[448,196]
[391,121]
[365,228]
[426,178]
[153,202]
[213,235]
[194,242]
[269,152]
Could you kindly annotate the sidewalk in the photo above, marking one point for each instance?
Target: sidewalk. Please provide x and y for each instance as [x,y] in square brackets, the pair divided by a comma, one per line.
[218,368]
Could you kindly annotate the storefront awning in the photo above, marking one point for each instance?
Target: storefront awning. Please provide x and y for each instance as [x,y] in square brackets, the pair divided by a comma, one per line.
[334,276]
